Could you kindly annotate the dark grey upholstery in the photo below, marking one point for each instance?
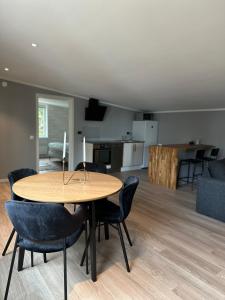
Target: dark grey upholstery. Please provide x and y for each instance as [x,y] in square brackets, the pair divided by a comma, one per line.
[42,226]
[217,169]
[13,177]
[109,212]
[16,175]
[211,191]
[112,214]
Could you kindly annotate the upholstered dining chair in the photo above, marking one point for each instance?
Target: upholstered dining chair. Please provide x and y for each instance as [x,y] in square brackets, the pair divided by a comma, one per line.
[13,177]
[110,213]
[44,228]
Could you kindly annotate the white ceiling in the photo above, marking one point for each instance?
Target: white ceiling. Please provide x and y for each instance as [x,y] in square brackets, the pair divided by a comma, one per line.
[145,54]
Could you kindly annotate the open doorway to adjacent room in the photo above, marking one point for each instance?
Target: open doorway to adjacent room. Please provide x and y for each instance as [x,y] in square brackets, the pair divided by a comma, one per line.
[55,115]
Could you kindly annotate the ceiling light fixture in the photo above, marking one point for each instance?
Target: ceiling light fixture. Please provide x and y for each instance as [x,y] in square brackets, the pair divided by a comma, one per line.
[34,45]
[6,69]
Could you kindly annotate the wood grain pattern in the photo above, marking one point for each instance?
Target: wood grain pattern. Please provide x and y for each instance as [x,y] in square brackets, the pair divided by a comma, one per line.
[49,187]
[177,254]
[164,160]
[163,166]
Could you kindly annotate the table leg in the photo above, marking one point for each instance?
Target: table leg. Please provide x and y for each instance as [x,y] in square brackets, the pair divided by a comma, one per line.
[93,242]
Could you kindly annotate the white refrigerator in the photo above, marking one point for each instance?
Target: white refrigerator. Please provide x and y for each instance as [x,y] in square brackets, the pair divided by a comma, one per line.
[146,131]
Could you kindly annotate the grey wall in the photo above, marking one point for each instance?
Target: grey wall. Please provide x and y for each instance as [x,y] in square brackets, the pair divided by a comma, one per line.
[58,118]
[18,122]
[209,127]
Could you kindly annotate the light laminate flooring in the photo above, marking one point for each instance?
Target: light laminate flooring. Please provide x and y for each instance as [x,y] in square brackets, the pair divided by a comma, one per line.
[177,254]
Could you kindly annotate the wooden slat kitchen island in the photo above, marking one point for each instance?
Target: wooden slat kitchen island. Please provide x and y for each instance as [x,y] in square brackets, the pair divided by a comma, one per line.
[164,160]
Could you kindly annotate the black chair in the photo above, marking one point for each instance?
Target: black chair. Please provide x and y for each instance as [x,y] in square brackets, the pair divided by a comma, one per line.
[92,167]
[112,214]
[13,177]
[44,228]
[199,159]
[213,155]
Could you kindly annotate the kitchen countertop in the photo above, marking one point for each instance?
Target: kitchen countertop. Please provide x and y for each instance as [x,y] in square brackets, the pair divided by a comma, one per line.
[184,147]
[112,141]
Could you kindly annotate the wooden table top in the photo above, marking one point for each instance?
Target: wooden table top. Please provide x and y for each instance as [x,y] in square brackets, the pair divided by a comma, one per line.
[49,187]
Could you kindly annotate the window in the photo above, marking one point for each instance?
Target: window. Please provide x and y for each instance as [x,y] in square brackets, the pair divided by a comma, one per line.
[43,121]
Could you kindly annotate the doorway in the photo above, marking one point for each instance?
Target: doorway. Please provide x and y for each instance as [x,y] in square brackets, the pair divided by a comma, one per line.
[54,116]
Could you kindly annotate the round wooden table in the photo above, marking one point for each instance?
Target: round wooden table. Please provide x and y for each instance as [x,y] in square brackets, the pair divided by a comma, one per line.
[49,187]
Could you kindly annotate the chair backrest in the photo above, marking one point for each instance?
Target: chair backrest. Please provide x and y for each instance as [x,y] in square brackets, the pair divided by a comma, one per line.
[92,167]
[214,152]
[43,221]
[127,194]
[200,154]
[16,175]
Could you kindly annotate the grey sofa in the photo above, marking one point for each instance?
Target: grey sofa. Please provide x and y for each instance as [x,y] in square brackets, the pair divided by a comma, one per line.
[211,191]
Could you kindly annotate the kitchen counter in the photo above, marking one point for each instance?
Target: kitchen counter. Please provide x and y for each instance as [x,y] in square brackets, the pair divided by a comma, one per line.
[112,141]
[164,161]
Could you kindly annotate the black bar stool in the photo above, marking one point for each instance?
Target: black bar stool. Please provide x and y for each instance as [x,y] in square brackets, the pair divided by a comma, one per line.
[213,155]
[199,159]
[182,163]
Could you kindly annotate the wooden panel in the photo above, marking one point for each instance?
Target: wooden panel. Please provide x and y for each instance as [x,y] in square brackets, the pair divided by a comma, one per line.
[163,166]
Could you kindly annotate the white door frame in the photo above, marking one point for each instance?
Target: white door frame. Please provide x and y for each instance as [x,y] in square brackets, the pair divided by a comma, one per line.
[71,127]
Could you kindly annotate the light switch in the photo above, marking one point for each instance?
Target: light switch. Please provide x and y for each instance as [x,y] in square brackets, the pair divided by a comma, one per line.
[4,84]
[31,137]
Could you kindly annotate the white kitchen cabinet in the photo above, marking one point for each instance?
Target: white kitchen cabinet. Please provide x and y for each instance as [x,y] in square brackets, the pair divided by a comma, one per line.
[132,156]
[137,154]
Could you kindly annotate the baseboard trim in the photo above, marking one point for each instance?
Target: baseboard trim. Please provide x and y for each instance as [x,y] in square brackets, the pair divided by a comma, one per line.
[133,168]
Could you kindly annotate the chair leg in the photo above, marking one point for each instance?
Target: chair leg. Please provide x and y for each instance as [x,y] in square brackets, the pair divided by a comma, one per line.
[203,167]
[45,258]
[32,258]
[11,269]
[106,227]
[123,247]
[8,242]
[85,251]
[86,244]
[65,270]
[193,177]
[20,259]
[127,233]
[178,174]
[189,165]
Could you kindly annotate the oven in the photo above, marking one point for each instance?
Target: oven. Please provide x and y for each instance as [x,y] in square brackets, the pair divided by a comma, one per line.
[102,154]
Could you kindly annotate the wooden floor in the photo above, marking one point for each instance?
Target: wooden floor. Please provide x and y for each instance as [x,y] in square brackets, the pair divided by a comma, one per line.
[177,254]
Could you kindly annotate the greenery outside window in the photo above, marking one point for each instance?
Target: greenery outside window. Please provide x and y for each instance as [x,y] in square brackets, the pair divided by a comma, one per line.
[43,120]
